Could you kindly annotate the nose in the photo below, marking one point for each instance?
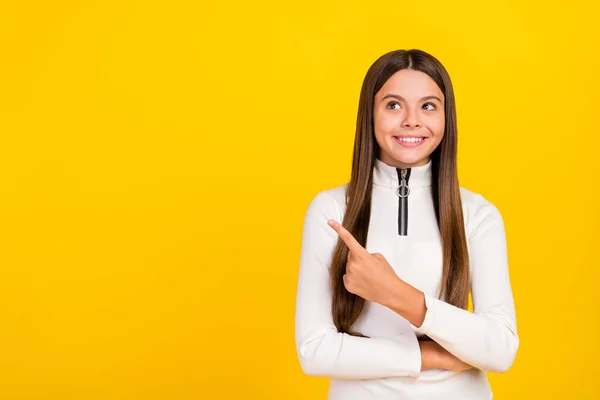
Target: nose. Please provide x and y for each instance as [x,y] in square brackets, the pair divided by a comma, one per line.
[411,120]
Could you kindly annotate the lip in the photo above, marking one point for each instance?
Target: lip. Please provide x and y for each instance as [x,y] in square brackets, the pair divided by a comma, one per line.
[409,144]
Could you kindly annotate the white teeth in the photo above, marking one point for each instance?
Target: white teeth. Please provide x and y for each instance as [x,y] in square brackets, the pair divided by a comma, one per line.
[410,140]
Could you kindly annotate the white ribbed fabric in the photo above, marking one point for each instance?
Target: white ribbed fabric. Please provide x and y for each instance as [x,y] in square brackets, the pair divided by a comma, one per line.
[387,364]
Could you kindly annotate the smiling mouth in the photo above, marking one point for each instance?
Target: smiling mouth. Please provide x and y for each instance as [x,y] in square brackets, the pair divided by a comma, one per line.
[410,139]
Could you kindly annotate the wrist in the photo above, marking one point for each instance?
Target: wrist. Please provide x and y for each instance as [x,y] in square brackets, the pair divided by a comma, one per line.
[437,356]
[407,301]
[395,299]
[430,356]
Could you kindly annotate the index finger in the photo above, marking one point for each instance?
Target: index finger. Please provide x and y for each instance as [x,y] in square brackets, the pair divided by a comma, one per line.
[347,237]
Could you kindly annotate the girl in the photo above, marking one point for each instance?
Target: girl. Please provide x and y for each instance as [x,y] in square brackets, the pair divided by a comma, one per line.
[388,259]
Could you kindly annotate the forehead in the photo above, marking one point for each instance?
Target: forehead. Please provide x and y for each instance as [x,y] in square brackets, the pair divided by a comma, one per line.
[409,83]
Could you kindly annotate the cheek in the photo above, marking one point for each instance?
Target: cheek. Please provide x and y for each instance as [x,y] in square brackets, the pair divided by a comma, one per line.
[383,124]
[437,125]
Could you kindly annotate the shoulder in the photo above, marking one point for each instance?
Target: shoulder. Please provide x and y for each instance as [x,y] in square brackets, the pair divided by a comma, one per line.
[329,202]
[479,213]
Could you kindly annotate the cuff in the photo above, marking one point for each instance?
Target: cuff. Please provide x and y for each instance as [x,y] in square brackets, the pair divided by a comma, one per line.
[430,303]
[409,353]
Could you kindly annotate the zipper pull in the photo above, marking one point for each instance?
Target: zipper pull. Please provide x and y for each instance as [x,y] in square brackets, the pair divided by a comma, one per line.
[403,190]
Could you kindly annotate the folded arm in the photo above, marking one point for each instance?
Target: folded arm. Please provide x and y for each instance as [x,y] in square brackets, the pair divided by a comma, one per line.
[486,338]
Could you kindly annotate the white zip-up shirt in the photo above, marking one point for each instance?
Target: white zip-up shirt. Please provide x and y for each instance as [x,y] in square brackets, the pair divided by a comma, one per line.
[387,365]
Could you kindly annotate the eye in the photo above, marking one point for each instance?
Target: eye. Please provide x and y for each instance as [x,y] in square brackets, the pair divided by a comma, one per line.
[393,102]
[431,104]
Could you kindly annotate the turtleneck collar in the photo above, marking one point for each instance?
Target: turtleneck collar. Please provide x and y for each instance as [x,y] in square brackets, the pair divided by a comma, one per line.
[387,175]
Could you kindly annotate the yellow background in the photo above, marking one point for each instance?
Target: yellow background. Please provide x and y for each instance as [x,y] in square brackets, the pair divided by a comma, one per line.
[157,159]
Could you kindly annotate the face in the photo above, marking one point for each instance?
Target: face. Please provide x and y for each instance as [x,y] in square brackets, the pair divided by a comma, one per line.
[409,118]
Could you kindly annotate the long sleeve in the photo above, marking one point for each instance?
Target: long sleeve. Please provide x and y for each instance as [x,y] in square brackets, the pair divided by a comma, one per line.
[486,338]
[322,350]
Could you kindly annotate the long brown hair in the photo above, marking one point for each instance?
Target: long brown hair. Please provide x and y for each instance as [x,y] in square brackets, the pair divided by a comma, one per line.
[346,306]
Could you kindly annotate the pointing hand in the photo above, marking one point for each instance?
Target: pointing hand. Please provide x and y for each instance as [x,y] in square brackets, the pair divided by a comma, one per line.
[369,276]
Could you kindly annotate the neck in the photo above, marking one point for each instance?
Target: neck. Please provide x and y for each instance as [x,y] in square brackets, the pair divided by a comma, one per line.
[388,175]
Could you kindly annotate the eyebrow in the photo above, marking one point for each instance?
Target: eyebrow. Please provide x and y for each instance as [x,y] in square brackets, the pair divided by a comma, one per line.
[396,96]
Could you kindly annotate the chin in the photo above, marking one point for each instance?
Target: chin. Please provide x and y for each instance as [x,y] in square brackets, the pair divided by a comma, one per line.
[410,157]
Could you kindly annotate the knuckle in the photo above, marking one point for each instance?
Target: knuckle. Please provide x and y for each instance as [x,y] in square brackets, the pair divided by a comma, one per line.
[351,266]
[346,281]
